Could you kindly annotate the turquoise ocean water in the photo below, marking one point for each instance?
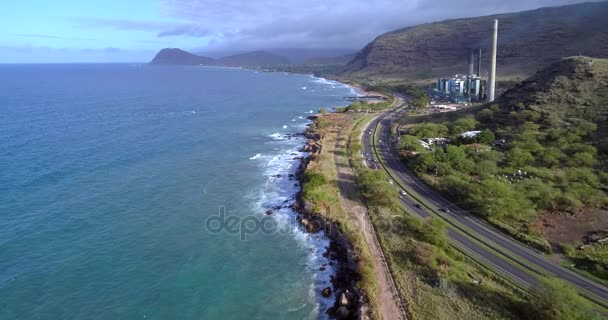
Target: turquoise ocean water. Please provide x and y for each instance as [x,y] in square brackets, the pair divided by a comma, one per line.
[108,174]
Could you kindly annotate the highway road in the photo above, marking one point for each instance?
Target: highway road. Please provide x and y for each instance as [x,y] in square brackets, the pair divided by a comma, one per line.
[468,233]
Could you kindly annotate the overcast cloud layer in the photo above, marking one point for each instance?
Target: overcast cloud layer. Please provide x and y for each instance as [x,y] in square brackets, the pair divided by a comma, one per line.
[134,30]
[250,24]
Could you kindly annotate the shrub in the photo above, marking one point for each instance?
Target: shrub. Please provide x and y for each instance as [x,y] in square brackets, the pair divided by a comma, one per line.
[410,143]
[429,130]
[556,300]
[485,116]
[462,125]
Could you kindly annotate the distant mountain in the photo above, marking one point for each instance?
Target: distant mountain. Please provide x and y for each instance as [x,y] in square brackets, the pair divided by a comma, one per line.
[174,56]
[294,55]
[253,59]
[330,61]
[304,55]
[528,41]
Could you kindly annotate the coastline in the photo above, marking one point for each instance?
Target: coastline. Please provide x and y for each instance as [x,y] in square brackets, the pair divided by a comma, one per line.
[348,298]
[334,261]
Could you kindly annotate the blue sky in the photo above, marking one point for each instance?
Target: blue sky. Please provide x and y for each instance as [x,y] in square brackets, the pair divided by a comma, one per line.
[134,30]
[86,31]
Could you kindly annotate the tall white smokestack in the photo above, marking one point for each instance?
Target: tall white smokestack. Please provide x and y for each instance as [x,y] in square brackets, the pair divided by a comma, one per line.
[479,63]
[471,62]
[492,79]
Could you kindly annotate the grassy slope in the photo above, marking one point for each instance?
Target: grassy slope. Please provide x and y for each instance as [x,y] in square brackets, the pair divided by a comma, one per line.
[544,118]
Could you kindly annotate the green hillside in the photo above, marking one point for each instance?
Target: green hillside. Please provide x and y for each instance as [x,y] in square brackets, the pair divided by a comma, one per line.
[541,155]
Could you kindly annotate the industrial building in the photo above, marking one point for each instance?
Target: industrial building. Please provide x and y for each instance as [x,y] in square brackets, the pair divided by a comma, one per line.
[470,87]
[463,88]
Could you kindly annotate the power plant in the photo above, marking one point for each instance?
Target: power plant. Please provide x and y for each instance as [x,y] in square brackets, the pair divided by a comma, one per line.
[471,88]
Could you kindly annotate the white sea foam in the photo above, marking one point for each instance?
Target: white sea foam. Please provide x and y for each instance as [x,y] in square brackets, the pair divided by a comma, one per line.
[257,156]
[285,127]
[303,88]
[335,84]
[300,117]
[297,308]
[278,194]
[323,81]
[278,136]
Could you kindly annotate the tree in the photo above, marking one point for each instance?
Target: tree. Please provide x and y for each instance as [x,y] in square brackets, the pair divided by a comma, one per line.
[410,143]
[323,111]
[485,168]
[539,192]
[485,116]
[485,137]
[556,300]
[457,186]
[456,157]
[518,157]
[462,125]
[497,199]
[550,157]
[582,159]
[420,102]
[429,130]
[424,162]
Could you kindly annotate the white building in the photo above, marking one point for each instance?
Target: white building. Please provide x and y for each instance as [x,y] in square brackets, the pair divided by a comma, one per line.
[470,134]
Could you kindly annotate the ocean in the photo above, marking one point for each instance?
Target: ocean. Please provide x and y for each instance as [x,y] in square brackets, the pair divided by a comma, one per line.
[137,192]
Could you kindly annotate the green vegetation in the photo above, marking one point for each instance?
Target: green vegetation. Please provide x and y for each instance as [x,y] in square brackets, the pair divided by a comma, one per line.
[320,191]
[323,111]
[555,300]
[314,192]
[411,143]
[437,281]
[364,106]
[429,130]
[538,152]
[419,97]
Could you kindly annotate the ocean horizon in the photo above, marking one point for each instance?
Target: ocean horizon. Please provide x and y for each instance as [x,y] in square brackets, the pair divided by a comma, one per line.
[112,177]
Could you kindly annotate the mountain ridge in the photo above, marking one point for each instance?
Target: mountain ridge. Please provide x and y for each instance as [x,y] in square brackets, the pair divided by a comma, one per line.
[175,56]
[528,40]
[254,59]
[257,58]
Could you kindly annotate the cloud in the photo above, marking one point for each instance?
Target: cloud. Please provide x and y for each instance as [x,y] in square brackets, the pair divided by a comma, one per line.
[155,42]
[319,23]
[124,24]
[185,30]
[161,28]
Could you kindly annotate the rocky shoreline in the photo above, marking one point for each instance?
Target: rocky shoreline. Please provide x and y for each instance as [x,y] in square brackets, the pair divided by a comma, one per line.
[348,299]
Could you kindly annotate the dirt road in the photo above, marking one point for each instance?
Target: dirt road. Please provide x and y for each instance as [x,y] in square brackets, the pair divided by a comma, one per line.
[389,303]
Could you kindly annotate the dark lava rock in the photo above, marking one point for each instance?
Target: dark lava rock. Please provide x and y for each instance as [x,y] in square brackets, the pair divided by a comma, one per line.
[326,292]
